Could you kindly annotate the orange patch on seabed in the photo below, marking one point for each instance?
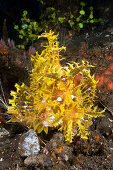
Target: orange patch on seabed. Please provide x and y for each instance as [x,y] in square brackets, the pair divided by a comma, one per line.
[111,67]
[110,86]
[109,57]
[101,79]
[108,72]
[106,79]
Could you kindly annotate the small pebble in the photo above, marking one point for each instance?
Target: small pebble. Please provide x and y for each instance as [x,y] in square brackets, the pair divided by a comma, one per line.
[3,132]
[30,161]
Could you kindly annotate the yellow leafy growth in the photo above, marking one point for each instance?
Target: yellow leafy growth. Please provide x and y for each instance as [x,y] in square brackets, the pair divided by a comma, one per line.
[58,96]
